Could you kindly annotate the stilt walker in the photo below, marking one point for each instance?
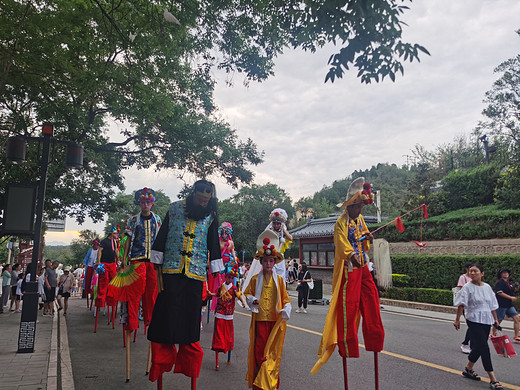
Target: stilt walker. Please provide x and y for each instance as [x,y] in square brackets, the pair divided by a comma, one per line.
[90,261]
[270,309]
[137,282]
[223,331]
[354,293]
[180,252]
[108,256]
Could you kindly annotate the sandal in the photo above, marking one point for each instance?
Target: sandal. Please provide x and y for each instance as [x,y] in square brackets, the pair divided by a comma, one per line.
[516,340]
[496,385]
[471,374]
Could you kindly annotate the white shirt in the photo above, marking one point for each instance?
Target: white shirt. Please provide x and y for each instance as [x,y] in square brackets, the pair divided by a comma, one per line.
[478,302]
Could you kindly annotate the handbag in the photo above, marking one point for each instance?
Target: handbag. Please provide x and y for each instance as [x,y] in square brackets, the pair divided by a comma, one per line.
[503,345]
[311,283]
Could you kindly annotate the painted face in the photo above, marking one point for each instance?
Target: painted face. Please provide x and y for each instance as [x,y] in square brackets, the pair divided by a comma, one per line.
[268,264]
[145,205]
[354,210]
[201,199]
[229,278]
[277,225]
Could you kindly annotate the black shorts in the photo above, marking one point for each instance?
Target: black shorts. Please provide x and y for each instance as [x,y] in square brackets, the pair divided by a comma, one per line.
[50,294]
[65,295]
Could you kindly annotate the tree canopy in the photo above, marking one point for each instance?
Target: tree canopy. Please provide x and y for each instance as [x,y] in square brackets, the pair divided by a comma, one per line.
[132,80]
[248,212]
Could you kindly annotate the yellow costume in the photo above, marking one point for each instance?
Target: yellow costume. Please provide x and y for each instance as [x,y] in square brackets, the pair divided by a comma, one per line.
[267,377]
[349,279]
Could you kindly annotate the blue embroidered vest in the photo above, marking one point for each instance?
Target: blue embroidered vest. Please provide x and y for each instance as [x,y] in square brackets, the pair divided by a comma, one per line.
[355,232]
[187,244]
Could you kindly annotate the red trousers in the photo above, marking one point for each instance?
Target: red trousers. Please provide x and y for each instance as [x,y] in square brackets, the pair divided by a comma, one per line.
[88,280]
[103,281]
[262,331]
[358,294]
[187,360]
[146,296]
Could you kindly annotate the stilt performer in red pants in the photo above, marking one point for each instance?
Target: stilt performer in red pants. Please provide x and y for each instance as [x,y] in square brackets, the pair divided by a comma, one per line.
[188,235]
[107,255]
[353,289]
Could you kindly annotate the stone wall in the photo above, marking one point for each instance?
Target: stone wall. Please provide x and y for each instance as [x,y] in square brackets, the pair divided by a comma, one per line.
[472,247]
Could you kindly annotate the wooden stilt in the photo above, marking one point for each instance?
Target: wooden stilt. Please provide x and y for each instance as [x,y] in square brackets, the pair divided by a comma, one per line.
[135,335]
[124,337]
[208,308]
[149,361]
[145,328]
[97,314]
[229,357]
[128,356]
[159,382]
[114,308]
[376,370]
[108,315]
[217,366]
[345,377]
[193,383]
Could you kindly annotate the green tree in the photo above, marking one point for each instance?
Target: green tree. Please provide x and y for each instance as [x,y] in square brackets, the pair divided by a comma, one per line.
[248,212]
[124,208]
[82,64]
[80,246]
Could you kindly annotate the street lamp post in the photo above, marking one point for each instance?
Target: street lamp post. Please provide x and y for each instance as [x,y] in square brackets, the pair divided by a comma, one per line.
[27,331]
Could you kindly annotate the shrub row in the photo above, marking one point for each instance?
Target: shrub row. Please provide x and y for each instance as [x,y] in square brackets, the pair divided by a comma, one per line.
[425,295]
[468,224]
[443,271]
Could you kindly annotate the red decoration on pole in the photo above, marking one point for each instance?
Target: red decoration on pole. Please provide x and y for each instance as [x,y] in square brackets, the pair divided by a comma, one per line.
[424,211]
[399,225]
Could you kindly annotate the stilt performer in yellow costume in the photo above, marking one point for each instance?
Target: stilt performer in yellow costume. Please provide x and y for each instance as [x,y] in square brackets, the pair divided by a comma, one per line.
[353,290]
[270,308]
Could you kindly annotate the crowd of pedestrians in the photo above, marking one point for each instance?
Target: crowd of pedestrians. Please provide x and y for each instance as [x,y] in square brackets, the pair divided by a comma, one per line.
[55,283]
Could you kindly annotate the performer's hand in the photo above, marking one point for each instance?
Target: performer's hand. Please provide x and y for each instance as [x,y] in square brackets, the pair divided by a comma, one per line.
[456,324]
[355,260]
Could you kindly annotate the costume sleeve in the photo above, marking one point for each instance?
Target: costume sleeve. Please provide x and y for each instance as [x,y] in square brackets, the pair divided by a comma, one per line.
[159,245]
[216,264]
[365,230]
[87,258]
[130,224]
[286,301]
[341,243]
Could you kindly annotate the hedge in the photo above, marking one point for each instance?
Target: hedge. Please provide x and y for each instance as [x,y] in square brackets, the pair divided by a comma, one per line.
[443,271]
[486,222]
[425,295]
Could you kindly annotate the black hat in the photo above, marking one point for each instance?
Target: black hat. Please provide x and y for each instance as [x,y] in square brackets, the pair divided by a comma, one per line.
[502,270]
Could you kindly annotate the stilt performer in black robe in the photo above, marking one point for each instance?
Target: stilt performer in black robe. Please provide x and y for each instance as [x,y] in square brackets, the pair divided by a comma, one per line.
[188,235]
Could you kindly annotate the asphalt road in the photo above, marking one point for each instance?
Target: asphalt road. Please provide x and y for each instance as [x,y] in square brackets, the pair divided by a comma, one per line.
[420,353]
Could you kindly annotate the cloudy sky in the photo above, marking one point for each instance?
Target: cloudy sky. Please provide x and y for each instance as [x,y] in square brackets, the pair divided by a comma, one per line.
[314,133]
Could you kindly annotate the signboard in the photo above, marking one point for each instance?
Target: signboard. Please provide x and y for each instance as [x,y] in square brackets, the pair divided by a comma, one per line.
[20,201]
[55,225]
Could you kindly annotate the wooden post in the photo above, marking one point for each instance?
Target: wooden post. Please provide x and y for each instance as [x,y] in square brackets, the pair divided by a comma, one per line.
[128,356]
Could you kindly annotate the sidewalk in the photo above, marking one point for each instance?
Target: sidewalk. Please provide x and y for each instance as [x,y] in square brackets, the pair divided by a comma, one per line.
[27,371]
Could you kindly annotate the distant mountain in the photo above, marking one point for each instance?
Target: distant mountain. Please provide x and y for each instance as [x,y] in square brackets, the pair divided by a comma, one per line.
[56,243]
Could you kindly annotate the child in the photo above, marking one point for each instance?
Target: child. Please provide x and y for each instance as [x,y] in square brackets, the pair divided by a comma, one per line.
[271,308]
[223,333]
[19,292]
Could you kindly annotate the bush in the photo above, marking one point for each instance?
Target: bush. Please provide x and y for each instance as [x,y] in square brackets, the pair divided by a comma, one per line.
[399,280]
[485,222]
[443,271]
[469,188]
[425,295]
[507,191]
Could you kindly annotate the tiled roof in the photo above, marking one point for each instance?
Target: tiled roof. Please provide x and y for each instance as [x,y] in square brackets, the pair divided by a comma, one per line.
[322,227]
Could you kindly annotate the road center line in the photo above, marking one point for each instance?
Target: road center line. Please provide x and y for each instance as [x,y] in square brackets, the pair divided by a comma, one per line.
[402,357]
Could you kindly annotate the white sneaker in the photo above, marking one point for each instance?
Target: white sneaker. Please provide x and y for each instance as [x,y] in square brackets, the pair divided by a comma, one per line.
[465,348]
[305,311]
[298,310]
